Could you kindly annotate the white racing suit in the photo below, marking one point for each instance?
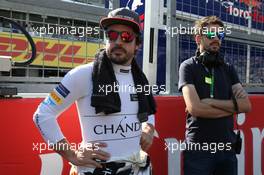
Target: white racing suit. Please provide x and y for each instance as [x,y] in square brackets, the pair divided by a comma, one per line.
[120,131]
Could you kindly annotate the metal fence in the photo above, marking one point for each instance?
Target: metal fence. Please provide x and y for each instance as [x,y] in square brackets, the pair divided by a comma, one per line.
[235,53]
[243,47]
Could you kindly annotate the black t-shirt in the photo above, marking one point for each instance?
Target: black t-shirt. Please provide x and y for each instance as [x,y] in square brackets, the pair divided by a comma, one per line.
[203,130]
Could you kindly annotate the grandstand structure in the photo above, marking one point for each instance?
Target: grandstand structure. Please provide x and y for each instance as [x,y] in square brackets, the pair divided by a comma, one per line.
[59,47]
[67,34]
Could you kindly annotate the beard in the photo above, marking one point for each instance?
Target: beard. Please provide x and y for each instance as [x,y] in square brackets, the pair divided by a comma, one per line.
[119,55]
[213,47]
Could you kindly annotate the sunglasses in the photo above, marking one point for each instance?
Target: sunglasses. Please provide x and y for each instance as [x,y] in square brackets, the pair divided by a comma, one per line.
[126,37]
[211,35]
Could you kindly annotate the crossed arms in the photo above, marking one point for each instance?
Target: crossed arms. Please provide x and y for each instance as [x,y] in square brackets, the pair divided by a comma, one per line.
[214,108]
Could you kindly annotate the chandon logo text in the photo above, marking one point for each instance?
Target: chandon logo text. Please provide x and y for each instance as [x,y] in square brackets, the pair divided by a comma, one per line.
[121,129]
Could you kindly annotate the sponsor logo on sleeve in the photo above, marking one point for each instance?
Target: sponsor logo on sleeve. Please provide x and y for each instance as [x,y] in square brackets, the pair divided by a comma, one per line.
[54,96]
[62,90]
[57,96]
[53,99]
[49,101]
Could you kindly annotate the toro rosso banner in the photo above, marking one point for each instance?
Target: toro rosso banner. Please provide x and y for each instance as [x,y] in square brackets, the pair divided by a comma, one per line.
[23,151]
[233,11]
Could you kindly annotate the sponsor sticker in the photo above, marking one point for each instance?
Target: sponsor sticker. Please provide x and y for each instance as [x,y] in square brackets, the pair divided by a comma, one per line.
[49,101]
[62,90]
[55,98]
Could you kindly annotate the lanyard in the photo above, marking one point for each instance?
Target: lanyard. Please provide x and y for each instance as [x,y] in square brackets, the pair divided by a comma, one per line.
[212,85]
[211,81]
